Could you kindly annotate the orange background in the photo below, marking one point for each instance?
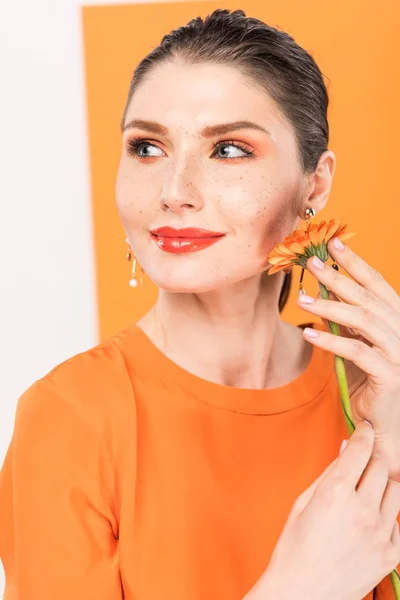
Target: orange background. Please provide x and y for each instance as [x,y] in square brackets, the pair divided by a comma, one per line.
[355,45]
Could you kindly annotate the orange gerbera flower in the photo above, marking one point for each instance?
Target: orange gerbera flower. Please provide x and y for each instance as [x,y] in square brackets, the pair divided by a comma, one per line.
[297,248]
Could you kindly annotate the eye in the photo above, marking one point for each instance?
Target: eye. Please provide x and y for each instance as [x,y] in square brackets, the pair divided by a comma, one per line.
[248,153]
[135,145]
[139,148]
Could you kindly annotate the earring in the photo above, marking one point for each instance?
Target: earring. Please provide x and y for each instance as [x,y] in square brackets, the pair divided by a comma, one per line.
[310,213]
[133,281]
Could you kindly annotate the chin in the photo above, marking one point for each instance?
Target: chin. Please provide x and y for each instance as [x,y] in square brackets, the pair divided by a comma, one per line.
[183,281]
[188,285]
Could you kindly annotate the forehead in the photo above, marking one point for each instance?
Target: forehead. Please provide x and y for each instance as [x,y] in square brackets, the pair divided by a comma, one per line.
[191,96]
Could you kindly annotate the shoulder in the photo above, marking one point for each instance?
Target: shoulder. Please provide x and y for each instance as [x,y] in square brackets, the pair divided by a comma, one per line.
[96,368]
[91,387]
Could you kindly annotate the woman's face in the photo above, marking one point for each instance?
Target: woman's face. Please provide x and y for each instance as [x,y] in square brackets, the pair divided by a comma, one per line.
[244,183]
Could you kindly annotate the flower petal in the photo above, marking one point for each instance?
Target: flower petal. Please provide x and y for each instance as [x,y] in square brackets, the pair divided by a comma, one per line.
[314,236]
[277,268]
[283,249]
[333,227]
[322,229]
[302,243]
[347,236]
[297,247]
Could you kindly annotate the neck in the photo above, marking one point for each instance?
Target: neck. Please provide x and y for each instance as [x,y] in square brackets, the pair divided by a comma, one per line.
[233,336]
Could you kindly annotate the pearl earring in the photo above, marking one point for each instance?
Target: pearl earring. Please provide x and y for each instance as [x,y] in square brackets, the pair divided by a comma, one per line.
[133,282]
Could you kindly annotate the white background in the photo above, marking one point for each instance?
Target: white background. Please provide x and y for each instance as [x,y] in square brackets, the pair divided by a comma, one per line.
[48,308]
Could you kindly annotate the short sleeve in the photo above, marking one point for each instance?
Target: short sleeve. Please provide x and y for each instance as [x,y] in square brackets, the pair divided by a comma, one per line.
[58,538]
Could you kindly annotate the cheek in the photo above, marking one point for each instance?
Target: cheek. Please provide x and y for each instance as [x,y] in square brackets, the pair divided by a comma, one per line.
[264,206]
[123,187]
[129,200]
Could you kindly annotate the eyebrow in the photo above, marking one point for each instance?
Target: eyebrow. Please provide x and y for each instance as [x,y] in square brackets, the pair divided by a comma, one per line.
[207,132]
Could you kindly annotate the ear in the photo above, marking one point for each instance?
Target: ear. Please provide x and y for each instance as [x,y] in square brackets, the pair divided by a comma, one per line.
[320,182]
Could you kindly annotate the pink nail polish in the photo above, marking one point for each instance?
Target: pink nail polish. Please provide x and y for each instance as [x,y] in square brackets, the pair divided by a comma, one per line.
[338,244]
[304,299]
[343,446]
[317,263]
[311,333]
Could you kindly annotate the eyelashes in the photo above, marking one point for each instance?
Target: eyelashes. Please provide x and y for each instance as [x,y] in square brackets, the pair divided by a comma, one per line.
[134,146]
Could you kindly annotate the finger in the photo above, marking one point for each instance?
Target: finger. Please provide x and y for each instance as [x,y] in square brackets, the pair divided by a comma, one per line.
[354,294]
[345,331]
[332,296]
[369,360]
[345,288]
[390,506]
[372,327]
[365,275]
[355,457]
[373,483]
[306,496]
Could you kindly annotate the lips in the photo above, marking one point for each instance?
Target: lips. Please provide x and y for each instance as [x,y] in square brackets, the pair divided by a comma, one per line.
[180,241]
[189,232]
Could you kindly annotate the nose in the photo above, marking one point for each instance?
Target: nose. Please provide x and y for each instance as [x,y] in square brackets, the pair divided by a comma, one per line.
[180,192]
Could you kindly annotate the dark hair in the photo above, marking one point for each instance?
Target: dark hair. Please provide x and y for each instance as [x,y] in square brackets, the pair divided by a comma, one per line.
[271,58]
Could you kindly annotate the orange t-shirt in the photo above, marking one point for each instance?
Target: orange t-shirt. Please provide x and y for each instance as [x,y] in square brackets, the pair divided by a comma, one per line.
[128,477]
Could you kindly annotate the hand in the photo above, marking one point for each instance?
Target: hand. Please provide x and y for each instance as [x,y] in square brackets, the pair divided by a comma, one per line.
[341,536]
[371,307]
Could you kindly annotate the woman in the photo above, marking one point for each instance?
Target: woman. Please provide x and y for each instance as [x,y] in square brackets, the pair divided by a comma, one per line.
[182,458]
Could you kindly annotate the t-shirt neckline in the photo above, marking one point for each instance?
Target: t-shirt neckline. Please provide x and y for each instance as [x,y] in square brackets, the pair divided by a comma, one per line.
[144,356]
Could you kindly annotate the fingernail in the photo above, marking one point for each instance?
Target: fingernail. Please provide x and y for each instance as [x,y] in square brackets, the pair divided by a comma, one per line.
[306,299]
[338,244]
[309,332]
[317,263]
[368,423]
[342,447]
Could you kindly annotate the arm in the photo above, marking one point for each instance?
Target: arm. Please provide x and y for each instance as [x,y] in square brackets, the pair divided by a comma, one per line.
[58,533]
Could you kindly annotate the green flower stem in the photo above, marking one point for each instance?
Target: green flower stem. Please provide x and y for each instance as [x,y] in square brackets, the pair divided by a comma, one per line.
[340,371]
[395,578]
[345,399]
